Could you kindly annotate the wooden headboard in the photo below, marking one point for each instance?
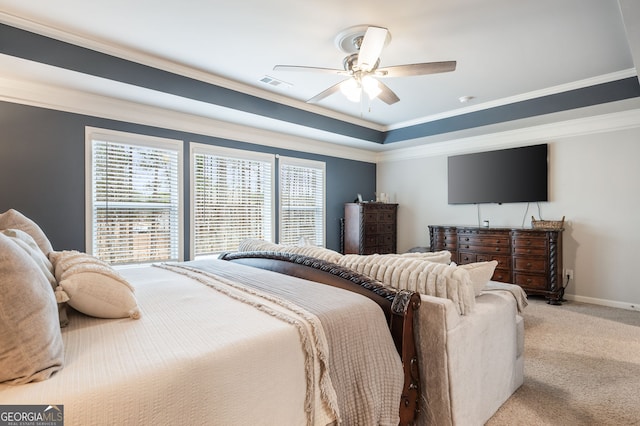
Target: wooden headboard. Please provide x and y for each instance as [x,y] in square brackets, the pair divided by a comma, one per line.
[398,306]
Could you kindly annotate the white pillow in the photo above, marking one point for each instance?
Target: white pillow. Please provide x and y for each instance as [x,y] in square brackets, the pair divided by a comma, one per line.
[13,219]
[28,244]
[420,275]
[480,273]
[31,347]
[443,256]
[93,287]
[252,244]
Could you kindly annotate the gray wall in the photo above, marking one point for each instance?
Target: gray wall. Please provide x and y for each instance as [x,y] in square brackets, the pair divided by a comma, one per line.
[42,171]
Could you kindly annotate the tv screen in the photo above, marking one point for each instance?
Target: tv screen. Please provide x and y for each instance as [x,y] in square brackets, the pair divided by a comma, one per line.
[505,176]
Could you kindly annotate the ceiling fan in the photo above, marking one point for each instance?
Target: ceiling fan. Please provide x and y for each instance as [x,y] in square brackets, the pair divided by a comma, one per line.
[364,45]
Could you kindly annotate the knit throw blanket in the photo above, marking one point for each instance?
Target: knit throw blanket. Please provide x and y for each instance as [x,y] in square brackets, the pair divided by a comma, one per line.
[417,274]
[360,382]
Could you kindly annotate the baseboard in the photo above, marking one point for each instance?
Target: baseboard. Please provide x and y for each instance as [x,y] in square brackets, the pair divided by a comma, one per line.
[604,302]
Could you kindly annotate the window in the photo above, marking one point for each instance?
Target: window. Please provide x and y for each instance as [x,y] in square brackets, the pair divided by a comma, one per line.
[302,201]
[232,198]
[134,199]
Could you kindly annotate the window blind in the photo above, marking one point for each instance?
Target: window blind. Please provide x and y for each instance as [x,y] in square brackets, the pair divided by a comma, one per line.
[232,198]
[135,202]
[302,201]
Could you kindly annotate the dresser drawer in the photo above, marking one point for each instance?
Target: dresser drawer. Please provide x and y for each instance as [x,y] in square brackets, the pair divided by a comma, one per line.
[528,264]
[504,262]
[531,281]
[386,216]
[484,249]
[464,258]
[533,251]
[386,228]
[484,239]
[384,240]
[501,275]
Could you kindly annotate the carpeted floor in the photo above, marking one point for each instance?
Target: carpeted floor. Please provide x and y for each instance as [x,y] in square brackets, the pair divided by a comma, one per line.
[582,367]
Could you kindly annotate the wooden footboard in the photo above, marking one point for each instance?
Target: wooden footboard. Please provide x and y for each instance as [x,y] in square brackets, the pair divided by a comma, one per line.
[398,306]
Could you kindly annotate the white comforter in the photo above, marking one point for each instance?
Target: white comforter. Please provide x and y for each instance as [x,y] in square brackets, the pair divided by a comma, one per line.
[188,360]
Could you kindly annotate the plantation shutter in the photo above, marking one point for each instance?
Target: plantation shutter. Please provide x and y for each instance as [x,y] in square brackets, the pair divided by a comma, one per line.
[302,201]
[135,200]
[232,198]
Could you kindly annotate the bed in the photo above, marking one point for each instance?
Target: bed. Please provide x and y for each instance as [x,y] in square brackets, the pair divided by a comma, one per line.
[297,335]
[219,342]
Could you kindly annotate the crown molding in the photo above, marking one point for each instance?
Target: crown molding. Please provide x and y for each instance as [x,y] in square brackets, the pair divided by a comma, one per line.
[79,102]
[580,84]
[518,137]
[143,58]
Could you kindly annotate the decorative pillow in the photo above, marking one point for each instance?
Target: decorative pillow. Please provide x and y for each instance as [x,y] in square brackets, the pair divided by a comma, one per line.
[252,244]
[93,287]
[443,256]
[430,278]
[480,273]
[27,243]
[31,347]
[13,219]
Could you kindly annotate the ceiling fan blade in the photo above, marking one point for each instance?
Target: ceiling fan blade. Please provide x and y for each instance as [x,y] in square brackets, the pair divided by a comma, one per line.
[387,95]
[372,45]
[298,68]
[330,91]
[416,69]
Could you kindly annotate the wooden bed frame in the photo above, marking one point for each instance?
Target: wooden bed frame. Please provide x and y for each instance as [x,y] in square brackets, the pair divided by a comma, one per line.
[398,306]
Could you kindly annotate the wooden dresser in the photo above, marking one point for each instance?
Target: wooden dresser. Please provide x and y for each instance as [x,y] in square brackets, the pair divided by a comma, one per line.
[370,228]
[531,258]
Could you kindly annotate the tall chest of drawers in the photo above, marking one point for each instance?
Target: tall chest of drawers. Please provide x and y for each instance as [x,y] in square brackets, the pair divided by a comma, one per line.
[531,258]
[370,228]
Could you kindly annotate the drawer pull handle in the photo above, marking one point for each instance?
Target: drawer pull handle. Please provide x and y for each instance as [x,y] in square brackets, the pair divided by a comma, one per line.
[528,250]
[528,265]
[528,242]
[497,248]
[528,280]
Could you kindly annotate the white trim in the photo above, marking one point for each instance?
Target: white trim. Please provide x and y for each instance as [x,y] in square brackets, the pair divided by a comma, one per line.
[92,133]
[225,152]
[580,84]
[75,101]
[312,164]
[604,302]
[120,51]
[512,138]
[222,151]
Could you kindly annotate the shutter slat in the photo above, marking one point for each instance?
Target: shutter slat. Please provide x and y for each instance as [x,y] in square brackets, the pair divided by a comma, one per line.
[135,202]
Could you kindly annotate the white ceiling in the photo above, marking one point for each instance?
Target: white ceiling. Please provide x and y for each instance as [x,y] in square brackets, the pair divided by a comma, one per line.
[505,50]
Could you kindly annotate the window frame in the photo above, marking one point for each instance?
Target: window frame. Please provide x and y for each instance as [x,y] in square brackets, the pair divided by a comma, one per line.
[312,164]
[240,154]
[134,139]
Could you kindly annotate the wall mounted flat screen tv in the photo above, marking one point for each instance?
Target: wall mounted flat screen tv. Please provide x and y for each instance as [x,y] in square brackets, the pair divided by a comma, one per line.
[512,175]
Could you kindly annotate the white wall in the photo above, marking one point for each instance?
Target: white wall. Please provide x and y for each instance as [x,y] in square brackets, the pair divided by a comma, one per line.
[594,182]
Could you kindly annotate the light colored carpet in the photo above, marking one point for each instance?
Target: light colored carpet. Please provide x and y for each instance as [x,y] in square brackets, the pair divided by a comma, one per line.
[582,367]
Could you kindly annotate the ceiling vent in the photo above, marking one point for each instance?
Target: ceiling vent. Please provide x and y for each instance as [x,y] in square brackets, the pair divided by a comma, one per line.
[275,82]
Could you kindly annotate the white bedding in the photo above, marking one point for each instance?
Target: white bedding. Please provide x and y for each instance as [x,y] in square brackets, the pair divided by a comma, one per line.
[182,362]
[187,360]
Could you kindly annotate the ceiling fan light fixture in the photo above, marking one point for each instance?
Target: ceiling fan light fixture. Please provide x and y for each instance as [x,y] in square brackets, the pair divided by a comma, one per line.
[351,89]
[371,86]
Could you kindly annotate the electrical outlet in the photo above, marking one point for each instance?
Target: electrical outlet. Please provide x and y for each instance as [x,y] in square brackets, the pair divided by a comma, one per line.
[569,274]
